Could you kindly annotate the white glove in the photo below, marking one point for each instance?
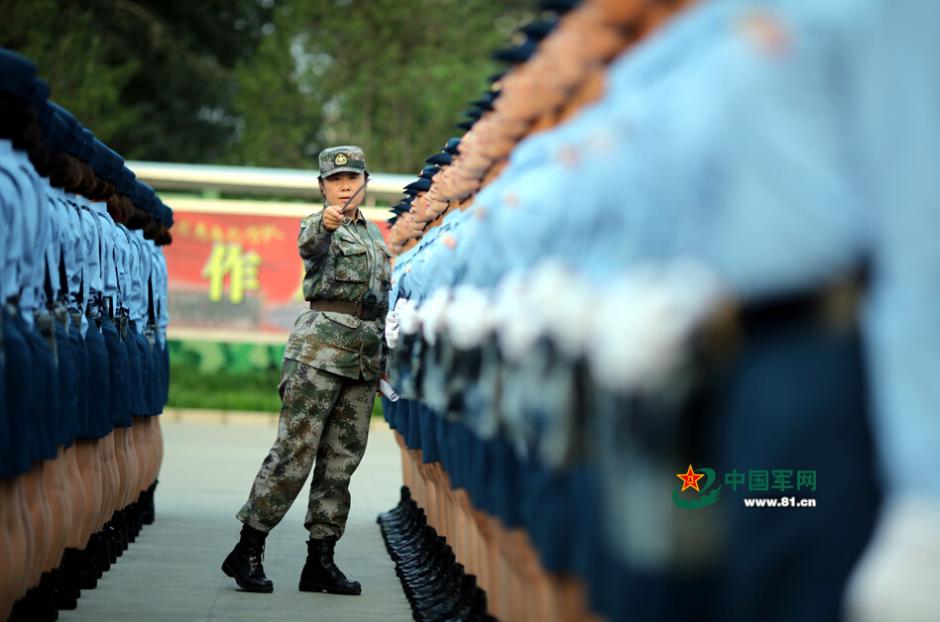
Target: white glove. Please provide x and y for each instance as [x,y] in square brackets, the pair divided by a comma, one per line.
[898,578]
[431,313]
[408,319]
[468,319]
[566,306]
[516,318]
[392,327]
[643,321]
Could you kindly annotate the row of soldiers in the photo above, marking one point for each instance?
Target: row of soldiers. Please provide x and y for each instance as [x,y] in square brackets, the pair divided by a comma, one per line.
[691,240]
[85,366]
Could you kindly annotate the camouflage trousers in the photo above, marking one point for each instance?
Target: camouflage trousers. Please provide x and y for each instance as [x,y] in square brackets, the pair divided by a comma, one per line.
[324,419]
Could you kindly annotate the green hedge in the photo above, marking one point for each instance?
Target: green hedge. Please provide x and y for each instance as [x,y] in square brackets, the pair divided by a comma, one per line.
[223,376]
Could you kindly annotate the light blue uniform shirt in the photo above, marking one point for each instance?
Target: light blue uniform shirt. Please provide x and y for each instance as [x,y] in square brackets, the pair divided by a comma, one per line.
[123,263]
[517,233]
[92,270]
[678,159]
[900,91]
[34,231]
[58,242]
[446,272]
[76,272]
[163,306]
[73,244]
[139,312]
[11,201]
[416,280]
[398,272]
[437,266]
[107,235]
[152,283]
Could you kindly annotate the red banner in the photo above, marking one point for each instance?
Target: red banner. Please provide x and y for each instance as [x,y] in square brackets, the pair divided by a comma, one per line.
[235,273]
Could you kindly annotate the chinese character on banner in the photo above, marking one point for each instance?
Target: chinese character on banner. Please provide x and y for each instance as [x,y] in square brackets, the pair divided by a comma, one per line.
[241,268]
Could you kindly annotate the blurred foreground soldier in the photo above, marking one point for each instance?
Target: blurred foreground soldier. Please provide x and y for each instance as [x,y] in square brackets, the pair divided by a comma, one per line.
[329,378]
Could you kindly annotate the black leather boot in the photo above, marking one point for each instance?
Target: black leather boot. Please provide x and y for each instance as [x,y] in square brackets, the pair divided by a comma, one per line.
[148,513]
[88,567]
[320,573]
[102,553]
[244,562]
[37,606]
[68,593]
[400,510]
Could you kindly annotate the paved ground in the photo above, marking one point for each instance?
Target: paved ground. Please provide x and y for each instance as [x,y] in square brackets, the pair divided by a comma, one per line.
[172,571]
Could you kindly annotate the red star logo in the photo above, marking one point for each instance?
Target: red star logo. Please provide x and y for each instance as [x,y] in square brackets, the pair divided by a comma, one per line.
[690,479]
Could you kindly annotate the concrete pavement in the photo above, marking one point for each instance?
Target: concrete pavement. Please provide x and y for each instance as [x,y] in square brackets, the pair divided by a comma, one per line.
[172,571]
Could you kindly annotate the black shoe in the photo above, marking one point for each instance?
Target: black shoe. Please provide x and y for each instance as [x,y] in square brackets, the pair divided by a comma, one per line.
[68,593]
[474,611]
[320,573]
[408,521]
[244,562]
[129,526]
[87,573]
[36,606]
[148,514]
[102,553]
[112,543]
[134,511]
[401,509]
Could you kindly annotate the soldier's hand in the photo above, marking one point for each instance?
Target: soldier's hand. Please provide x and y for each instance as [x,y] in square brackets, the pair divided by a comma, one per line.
[332,218]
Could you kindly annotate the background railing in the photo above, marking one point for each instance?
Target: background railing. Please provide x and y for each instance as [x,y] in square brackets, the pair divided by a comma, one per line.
[240,180]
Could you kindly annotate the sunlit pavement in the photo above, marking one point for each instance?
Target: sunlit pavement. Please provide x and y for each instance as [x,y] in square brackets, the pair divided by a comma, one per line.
[172,571]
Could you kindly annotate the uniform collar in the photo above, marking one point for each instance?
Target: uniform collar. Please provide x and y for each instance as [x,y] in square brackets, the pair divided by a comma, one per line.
[359,217]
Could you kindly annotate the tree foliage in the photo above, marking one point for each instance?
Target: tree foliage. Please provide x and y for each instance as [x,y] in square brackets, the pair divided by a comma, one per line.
[265,82]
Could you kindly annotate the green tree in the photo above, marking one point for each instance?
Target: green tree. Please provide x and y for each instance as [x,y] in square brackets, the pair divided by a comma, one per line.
[278,120]
[392,76]
[152,78]
[265,82]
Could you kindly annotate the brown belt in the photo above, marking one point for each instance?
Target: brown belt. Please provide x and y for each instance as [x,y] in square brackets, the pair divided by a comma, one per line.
[338,306]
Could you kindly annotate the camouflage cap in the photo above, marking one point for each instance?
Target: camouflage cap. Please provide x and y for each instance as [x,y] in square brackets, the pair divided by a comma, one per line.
[342,159]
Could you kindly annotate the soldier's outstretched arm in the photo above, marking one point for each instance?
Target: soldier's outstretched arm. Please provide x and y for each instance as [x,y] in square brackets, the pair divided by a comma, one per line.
[314,240]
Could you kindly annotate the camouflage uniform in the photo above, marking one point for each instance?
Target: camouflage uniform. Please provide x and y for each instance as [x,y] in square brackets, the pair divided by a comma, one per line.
[331,367]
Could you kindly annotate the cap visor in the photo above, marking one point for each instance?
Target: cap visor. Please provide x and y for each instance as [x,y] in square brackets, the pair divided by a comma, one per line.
[344,169]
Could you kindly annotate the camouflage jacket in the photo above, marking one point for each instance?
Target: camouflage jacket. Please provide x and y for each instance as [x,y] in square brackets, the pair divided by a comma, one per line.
[342,266]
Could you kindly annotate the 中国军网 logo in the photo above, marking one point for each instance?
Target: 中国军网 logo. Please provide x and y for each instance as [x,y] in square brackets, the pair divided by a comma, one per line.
[704,493]
[699,488]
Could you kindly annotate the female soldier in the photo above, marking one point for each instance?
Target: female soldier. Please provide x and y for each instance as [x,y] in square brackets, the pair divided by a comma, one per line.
[329,378]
